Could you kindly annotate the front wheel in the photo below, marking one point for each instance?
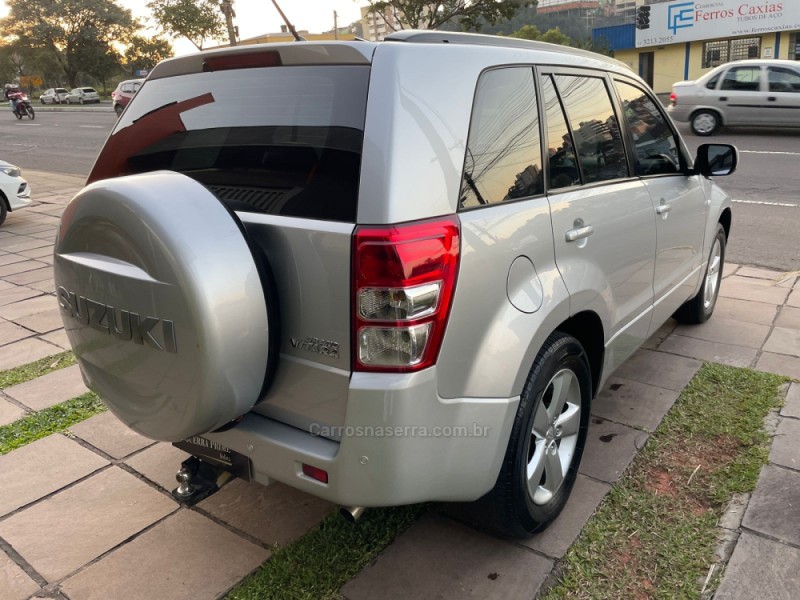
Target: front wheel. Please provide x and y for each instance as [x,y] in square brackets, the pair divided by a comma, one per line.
[118,109]
[700,308]
[80,101]
[704,122]
[547,441]
[31,113]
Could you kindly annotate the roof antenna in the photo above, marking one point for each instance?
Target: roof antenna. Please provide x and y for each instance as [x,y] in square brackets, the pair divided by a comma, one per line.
[289,26]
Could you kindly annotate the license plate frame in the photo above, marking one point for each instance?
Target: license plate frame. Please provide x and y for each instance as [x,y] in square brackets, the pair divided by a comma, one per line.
[218,455]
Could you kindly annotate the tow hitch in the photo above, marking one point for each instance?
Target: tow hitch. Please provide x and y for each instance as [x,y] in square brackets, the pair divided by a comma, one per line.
[197,480]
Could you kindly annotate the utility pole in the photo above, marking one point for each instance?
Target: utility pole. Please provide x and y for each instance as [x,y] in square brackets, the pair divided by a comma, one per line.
[335,26]
[227,10]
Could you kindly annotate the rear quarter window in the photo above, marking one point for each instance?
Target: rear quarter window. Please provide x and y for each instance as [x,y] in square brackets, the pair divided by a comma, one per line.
[277,140]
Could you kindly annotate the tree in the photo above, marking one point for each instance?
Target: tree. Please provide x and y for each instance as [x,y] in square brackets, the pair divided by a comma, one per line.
[551,36]
[145,53]
[196,20]
[425,14]
[65,28]
[101,61]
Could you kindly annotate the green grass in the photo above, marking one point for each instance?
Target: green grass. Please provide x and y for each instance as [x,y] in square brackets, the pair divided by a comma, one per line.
[655,533]
[36,369]
[317,565]
[55,419]
[60,417]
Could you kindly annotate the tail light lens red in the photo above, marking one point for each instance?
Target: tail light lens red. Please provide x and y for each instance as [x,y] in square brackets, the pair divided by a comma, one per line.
[673,98]
[403,282]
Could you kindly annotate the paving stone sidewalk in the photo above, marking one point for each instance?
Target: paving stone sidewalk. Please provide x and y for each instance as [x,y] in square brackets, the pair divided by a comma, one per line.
[89,515]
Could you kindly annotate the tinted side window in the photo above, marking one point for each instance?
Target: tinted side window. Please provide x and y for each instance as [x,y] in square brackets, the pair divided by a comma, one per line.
[742,79]
[504,157]
[783,80]
[562,167]
[655,143]
[594,126]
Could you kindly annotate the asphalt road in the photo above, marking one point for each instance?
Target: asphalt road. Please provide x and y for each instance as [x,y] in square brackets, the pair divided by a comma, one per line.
[64,142]
[766,194]
[766,187]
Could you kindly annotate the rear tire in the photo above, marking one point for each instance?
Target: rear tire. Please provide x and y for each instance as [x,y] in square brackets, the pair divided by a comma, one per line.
[18,114]
[700,308]
[546,444]
[3,208]
[705,122]
[118,109]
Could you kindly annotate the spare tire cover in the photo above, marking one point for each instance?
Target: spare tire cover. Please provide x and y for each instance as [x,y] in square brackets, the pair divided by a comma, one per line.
[162,303]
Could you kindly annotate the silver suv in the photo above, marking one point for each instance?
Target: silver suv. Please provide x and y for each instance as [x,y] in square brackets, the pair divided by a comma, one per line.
[386,273]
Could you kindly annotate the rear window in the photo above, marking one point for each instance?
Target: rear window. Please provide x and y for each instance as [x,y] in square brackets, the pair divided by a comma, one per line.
[276,140]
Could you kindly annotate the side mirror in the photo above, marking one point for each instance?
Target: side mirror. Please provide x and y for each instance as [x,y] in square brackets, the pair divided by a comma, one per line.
[716,159]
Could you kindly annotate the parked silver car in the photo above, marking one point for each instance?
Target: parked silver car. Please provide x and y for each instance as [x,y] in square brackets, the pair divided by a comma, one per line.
[745,92]
[54,96]
[82,95]
[386,273]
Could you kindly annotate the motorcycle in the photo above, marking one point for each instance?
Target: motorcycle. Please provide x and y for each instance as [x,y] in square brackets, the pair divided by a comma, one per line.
[24,107]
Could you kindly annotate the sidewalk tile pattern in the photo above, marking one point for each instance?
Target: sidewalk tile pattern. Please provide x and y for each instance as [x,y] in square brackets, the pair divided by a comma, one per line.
[41,468]
[84,521]
[438,558]
[185,557]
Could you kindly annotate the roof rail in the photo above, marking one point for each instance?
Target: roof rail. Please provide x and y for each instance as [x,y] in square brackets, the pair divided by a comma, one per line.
[422,36]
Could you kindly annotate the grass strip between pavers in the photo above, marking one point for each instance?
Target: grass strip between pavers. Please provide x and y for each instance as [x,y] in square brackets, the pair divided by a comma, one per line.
[54,419]
[36,369]
[37,425]
[655,533]
[317,565]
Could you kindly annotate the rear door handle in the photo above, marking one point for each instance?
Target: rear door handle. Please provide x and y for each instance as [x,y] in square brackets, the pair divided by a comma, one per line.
[723,98]
[579,233]
[663,209]
[771,99]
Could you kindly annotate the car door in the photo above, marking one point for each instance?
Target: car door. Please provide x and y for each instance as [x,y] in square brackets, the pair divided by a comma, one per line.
[741,95]
[783,97]
[603,220]
[678,199]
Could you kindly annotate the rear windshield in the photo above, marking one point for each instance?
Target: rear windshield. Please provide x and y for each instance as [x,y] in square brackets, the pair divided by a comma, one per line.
[89,90]
[276,140]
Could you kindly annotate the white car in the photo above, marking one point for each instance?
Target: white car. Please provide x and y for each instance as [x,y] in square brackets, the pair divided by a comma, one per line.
[54,96]
[15,193]
[82,95]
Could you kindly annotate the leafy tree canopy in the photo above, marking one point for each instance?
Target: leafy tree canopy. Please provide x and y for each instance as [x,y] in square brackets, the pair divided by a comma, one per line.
[469,14]
[196,20]
[66,28]
[551,36]
[145,53]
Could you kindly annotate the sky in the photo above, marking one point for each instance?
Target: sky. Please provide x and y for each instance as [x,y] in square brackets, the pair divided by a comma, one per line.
[255,17]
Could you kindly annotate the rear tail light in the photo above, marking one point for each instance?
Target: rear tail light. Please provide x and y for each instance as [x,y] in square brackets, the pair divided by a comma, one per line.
[403,278]
[673,98]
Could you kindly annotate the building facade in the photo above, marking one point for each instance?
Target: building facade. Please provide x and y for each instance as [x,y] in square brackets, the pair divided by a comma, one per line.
[678,40]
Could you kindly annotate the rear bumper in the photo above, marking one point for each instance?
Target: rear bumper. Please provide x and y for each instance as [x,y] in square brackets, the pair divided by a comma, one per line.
[400,444]
[679,113]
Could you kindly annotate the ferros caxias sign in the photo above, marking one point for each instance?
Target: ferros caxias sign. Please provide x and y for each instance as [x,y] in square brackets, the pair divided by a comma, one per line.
[687,21]
[123,325]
